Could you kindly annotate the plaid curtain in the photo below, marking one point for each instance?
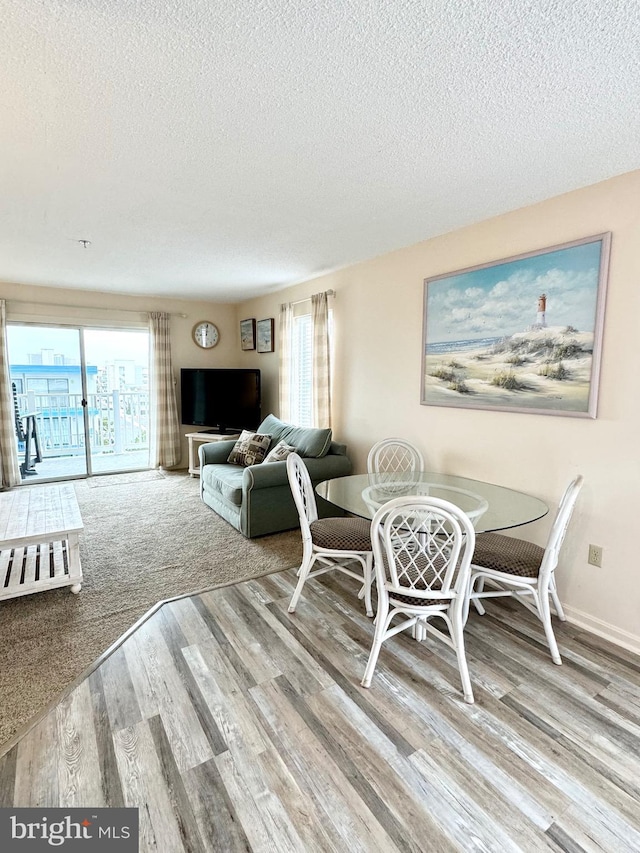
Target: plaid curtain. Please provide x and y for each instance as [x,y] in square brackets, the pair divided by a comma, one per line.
[321,395]
[285,336]
[9,462]
[165,425]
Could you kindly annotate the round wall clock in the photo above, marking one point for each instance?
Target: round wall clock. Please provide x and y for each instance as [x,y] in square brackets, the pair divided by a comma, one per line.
[205,334]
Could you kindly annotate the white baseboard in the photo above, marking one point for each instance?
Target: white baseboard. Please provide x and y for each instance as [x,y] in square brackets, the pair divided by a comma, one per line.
[603,629]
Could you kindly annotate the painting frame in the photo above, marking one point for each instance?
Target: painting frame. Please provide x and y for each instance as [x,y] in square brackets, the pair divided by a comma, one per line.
[248,334]
[479,351]
[265,334]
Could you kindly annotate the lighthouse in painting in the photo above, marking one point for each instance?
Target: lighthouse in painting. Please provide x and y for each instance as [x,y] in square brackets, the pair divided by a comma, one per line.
[541,316]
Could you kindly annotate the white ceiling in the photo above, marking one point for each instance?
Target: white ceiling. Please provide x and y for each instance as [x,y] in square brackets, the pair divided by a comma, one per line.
[221,149]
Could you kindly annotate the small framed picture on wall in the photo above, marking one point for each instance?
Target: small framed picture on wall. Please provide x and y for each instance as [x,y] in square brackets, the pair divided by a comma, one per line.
[248,334]
[265,335]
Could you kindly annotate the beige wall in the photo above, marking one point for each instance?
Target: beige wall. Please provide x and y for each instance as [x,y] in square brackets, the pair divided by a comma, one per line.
[52,304]
[378,312]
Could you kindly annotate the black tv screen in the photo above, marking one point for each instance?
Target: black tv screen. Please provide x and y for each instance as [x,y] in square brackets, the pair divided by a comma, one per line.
[223,399]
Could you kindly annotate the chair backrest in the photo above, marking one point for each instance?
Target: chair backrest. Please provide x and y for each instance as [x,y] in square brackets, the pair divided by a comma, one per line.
[559,527]
[16,413]
[394,455]
[393,465]
[423,547]
[303,494]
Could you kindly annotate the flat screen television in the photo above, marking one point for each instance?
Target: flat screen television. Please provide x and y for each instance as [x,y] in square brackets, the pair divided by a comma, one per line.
[223,399]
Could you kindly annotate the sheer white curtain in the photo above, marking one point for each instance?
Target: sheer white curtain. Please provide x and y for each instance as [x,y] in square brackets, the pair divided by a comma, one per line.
[286,349]
[165,424]
[305,364]
[9,462]
[321,359]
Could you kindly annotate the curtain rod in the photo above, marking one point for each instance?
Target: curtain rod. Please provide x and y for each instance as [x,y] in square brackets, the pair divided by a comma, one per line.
[89,307]
[308,299]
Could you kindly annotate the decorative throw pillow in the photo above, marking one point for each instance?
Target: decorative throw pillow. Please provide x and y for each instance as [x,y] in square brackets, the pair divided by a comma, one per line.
[250,448]
[280,452]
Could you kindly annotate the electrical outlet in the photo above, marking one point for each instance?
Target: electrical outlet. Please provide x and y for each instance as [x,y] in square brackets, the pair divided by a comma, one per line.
[595,556]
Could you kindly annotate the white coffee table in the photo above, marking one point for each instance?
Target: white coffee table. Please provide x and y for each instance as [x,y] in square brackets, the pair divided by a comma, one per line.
[39,549]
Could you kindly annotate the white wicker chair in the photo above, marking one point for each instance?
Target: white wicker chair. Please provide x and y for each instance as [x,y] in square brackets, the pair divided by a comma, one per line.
[394,456]
[524,570]
[394,466]
[333,543]
[422,554]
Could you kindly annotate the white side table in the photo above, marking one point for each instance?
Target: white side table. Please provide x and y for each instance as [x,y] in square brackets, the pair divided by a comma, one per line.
[196,439]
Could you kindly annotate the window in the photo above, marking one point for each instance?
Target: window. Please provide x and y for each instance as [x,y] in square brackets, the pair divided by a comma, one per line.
[301,385]
[302,375]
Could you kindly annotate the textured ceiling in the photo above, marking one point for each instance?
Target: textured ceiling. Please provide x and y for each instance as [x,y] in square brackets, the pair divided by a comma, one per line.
[225,148]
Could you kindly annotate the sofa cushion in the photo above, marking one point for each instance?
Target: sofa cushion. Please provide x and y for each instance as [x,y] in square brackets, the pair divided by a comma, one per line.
[224,480]
[280,452]
[274,427]
[308,441]
[250,448]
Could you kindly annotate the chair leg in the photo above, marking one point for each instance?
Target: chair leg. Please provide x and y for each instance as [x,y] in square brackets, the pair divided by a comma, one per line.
[368,580]
[476,601]
[457,635]
[542,601]
[303,573]
[467,603]
[556,600]
[365,589]
[36,441]
[382,621]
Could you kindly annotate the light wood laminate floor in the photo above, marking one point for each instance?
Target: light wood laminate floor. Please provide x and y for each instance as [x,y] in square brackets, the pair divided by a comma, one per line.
[234,725]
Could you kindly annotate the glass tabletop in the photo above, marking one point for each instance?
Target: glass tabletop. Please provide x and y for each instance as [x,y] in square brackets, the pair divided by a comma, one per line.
[490,507]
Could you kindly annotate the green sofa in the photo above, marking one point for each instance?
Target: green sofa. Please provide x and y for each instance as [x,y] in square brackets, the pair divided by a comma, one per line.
[257,500]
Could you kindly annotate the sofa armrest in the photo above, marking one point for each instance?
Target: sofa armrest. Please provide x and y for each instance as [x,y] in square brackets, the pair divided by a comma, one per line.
[215,452]
[264,476]
[275,473]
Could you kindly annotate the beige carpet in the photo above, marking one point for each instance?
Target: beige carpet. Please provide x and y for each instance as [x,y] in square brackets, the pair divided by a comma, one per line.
[146,538]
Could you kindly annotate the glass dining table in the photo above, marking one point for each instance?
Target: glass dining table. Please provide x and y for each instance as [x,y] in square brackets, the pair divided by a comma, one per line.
[489,506]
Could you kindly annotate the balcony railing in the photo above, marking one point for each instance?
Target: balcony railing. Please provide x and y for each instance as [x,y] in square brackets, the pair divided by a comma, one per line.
[118,421]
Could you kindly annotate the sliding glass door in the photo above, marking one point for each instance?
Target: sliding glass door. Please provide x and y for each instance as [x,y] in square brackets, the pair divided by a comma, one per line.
[81,400]
[118,410]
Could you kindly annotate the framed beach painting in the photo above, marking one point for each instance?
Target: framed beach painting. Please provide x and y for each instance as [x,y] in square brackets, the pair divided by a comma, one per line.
[248,334]
[523,334]
[265,335]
